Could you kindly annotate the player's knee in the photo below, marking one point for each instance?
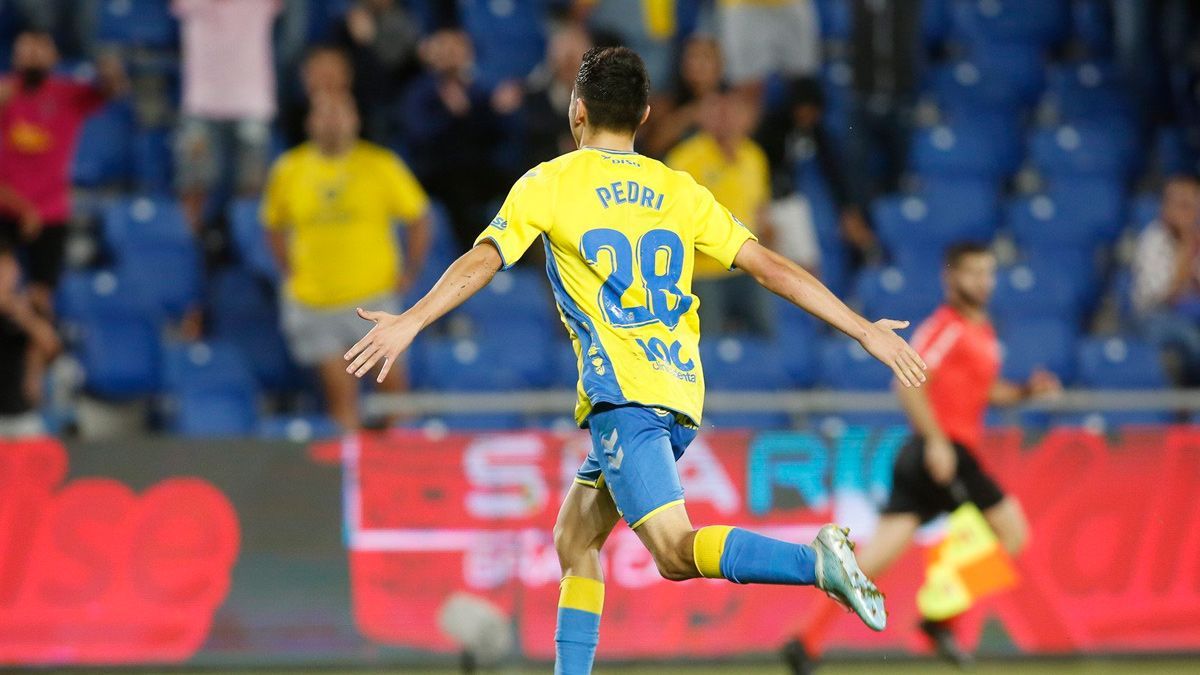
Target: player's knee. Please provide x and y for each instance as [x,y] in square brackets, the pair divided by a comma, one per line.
[674,566]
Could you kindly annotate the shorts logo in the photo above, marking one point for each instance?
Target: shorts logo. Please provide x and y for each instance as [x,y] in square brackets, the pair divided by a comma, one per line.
[499,223]
[607,444]
[668,359]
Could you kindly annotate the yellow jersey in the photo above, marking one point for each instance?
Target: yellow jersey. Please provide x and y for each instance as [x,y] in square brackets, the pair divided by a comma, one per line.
[742,183]
[621,231]
[340,212]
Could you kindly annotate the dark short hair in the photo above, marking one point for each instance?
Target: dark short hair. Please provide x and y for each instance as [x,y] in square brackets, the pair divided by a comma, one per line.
[956,252]
[612,81]
[1188,179]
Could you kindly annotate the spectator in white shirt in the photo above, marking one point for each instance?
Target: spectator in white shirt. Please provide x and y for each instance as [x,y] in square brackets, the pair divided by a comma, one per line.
[1166,276]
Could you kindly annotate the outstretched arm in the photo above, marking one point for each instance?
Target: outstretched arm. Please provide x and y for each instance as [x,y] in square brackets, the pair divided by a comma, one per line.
[392,333]
[788,280]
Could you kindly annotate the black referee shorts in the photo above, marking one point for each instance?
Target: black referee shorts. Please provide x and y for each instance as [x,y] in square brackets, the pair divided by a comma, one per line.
[915,491]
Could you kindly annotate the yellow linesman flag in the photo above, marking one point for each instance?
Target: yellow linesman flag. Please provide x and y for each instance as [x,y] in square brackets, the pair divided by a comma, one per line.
[967,565]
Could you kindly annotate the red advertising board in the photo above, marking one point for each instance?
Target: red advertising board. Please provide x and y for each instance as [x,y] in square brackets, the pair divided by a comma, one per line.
[1113,563]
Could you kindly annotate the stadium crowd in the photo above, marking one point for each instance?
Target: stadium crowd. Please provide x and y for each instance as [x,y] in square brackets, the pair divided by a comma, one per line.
[170,173]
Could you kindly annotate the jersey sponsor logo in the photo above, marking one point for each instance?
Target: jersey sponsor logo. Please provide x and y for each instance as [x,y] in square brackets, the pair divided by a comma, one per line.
[499,223]
[623,161]
[668,359]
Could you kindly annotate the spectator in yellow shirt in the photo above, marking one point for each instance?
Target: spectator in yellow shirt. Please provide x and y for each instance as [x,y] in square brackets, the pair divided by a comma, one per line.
[329,210]
[722,157]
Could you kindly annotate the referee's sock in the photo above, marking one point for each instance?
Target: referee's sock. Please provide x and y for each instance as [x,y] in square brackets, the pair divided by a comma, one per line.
[580,601]
[743,557]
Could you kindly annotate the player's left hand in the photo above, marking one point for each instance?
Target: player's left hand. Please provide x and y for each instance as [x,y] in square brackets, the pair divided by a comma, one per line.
[882,342]
[390,336]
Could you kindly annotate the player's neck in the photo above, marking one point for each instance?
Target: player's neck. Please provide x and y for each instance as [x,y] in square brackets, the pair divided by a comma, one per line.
[972,313]
[603,139]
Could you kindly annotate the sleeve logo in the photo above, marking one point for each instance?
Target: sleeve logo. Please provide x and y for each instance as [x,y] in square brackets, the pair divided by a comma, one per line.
[499,223]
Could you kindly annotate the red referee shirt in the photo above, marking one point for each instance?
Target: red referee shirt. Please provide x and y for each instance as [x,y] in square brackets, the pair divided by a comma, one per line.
[964,360]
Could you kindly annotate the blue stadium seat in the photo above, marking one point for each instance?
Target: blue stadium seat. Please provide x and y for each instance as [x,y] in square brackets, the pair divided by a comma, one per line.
[796,331]
[846,366]
[508,37]
[144,220]
[1038,289]
[250,239]
[490,363]
[155,251]
[296,428]
[1004,77]
[514,295]
[153,165]
[1174,151]
[936,21]
[564,363]
[836,19]
[140,23]
[742,364]
[212,391]
[1084,149]
[1090,90]
[244,313]
[103,156]
[476,422]
[1091,24]
[961,149]
[115,333]
[892,292]
[1031,344]
[1072,212]
[1119,363]
[989,22]
[942,212]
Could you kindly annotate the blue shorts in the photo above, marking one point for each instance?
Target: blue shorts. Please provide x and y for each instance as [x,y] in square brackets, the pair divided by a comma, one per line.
[634,450]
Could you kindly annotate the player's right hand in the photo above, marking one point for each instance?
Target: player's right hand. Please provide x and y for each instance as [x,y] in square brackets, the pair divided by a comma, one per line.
[940,460]
[882,342]
[390,336]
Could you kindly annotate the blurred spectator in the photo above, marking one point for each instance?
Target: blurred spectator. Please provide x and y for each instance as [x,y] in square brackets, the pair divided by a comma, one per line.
[885,59]
[326,70]
[381,38]
[329,208]
[724,159]
[40,118]
[675,114]
[27,340]
[1166,276]
[765,37]
[1152,38]
[452,128]
[791,138]
[73,22]
[546,134]
[228,99]
[648,27]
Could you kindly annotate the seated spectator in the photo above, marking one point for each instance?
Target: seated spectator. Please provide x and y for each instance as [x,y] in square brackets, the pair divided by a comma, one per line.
[329,208]
[764,37]
[228,100]
[724,159]
[26,340]
[1166,277]
[381,38]
[548,96]
[452,131]
[791,138]
[40,118]
[676,112]
[326,70]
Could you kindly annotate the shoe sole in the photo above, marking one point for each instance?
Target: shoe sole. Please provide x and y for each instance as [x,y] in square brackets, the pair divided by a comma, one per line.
[864,598]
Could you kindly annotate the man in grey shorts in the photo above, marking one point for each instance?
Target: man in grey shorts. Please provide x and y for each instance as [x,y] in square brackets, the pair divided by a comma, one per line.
[329,208]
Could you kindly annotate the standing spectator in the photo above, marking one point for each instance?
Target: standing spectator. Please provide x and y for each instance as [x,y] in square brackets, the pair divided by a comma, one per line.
[228,99]
[40,118]
[1166,276]
[549,95]
[764,37]
[676,113]
[453,127]
[329,208]
[648,27]
[724,159]
[326,70]
[26,340]
[793,139]
[885,58]
[381,38]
